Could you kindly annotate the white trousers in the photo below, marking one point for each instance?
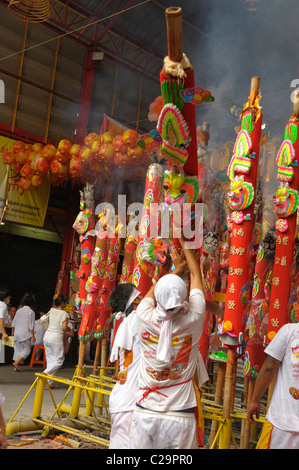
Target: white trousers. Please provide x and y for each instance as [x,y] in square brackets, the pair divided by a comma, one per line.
[22,349]
[120,429]
[171,430]
[55,358]
[283,439]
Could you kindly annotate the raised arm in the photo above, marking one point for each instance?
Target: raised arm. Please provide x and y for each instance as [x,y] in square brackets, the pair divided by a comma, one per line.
[196,281]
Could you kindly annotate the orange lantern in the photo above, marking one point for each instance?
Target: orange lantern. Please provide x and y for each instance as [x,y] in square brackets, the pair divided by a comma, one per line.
[42,165]
[24,183]
[58,168]
[9,158]
[85,153]
[49,151]
[31,156]
[106,151]
[130,137]
[18,146]
[62,156]
[75,150]
[76,167]
[27,171]
[37,180]
[16,167]
[37,147]
[91,138]
[21,157]
[107,138]
[64,146]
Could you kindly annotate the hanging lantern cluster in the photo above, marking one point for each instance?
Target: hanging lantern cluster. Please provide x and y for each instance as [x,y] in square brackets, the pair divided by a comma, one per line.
[98,156]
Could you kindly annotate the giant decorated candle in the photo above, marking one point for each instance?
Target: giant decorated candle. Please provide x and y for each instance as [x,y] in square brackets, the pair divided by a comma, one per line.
[256,324]
[285,208]
[84,226]
[102,321]
[143,270]
[93,286]
[242,171]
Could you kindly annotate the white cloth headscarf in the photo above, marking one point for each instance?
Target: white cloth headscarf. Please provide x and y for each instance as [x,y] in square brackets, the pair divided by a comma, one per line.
[132,297]
[170,293]
[124,339]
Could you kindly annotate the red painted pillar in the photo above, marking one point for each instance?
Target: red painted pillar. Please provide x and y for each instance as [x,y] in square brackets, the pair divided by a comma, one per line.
[86,95]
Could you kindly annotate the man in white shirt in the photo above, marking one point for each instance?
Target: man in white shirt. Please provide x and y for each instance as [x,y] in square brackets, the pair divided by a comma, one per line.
[283,413]
[126,350]
[169,329]
[23,332]
[4,300]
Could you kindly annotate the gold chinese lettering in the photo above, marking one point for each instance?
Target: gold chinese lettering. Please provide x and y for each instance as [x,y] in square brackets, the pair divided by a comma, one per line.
[276,304]
[232,289]
[275,281]
[275,322]
[285,240]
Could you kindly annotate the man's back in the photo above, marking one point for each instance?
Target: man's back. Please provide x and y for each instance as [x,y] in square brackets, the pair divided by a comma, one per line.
[284,407]
[168,387]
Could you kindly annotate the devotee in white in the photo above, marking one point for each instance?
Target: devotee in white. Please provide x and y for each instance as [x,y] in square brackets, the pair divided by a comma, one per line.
[125,349]
[23,332]
[53,338]
[169,329]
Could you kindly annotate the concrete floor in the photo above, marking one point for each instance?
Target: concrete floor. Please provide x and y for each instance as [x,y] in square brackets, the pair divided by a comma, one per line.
[15,385]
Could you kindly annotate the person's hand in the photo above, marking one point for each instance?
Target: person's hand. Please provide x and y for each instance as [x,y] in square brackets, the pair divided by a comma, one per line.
[3,439]
[5,336]
[33,339]
[254,408]
[180,264]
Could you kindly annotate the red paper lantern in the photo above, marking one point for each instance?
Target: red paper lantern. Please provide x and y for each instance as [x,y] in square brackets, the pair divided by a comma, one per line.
[16,167]
[49,152]
[107,138]
[119,144]
[27,171]
[31,156]
[130,137]
[85,153]
[64,146]
[42,165]
[18,146]
[24,183]
[9,158]
[37,180]
[62,156]
[37,147]
[58,168]
[91,138]
[75,150]
[21,157]
[76,167]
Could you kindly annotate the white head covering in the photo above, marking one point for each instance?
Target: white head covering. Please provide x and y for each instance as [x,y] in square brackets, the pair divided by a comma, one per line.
[170,293]
[123,339]
[131,299]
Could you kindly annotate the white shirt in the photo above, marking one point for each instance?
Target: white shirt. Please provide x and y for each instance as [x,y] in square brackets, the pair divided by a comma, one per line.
[22,323]
[123,395]
[38,332]
[3,311]
[174,380]
[283,411]
[54,332]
